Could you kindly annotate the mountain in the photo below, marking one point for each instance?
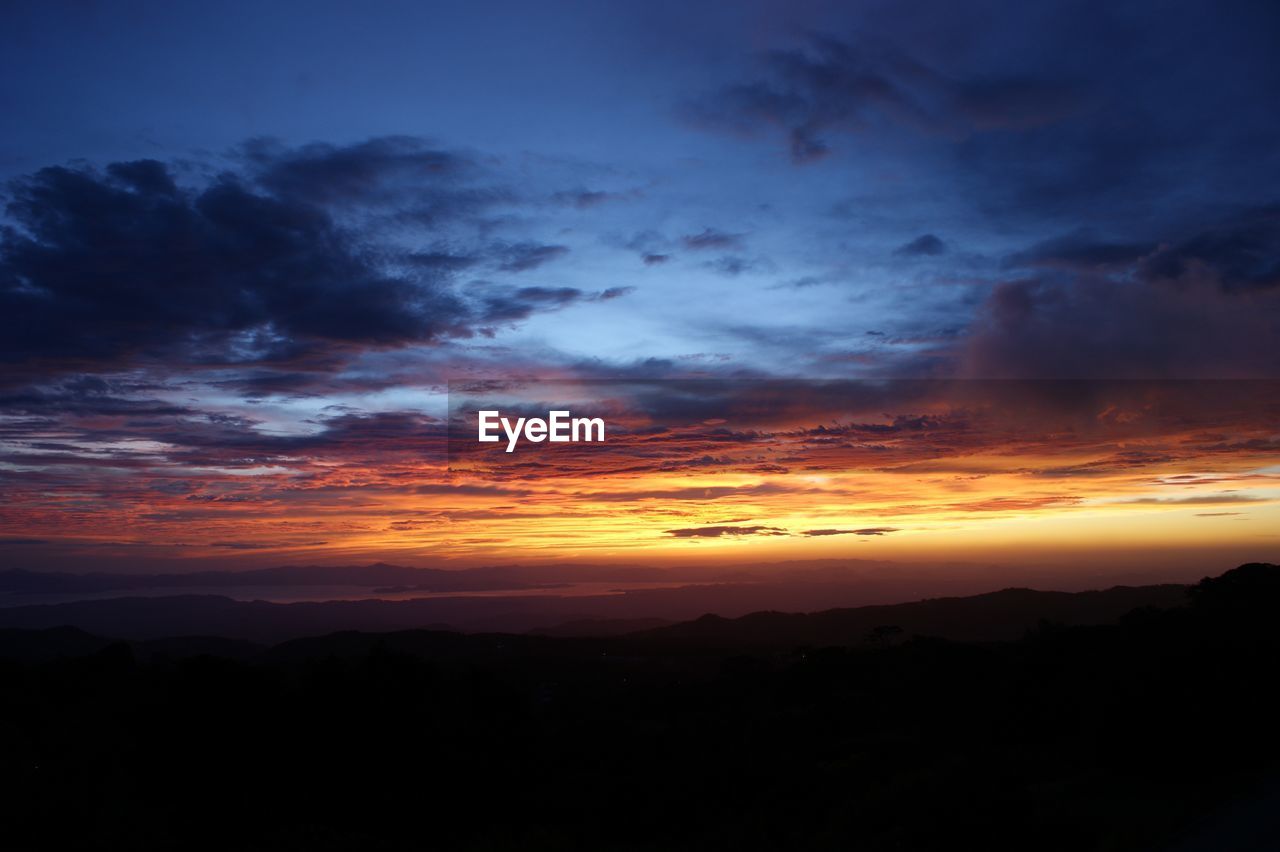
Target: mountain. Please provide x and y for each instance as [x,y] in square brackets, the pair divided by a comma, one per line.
[601,627]
[999,615]
[53,643]
[876,580]
[712,734]
[380,574]
[1005,614]
[61,643]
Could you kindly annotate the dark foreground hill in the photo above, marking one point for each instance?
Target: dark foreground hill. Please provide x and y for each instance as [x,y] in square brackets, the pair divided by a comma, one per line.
[997,616]
[1000,615]
[1006,614]
[1128,735]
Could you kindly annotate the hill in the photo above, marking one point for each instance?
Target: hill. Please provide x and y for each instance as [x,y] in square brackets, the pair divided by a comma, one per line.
[1000,615]
[1128,735]
[1005,614]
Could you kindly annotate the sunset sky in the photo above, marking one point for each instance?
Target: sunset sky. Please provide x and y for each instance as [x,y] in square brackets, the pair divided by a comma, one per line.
[922,281]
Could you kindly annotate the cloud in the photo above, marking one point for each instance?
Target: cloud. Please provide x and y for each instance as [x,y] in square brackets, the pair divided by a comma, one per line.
[1037,141]
[585,199]
[807,281]
[440,260]
[127,265]
[90,396]
[1080,250]
[470,490]
[863,531]
[715,492]
[1199,301]
[925,245]
[612,293]
[212,477]
[732,265]
[371,172]
[1224,498]
[1242,253]
[525,301]
[709,238]
[721,531]
[521,257]
[106,268]
[1122,325]
[830,87]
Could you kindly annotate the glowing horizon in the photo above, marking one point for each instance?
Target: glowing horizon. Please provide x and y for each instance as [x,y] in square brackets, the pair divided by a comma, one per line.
[792,471]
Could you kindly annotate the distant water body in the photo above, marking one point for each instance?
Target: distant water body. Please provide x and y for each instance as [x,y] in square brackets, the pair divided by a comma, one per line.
[318,594]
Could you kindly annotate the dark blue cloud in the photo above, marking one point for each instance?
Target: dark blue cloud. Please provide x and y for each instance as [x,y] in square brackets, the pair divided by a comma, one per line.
[100,269]
[1241,253]
[925,245]
[709,238]
[105,267]
[831,87]
[522,257]
[522,302]
[374,171]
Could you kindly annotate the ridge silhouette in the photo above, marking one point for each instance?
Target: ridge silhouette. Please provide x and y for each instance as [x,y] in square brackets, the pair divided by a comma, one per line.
[1136,732]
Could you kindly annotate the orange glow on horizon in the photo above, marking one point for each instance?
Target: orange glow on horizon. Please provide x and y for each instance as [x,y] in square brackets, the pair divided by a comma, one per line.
[954,480]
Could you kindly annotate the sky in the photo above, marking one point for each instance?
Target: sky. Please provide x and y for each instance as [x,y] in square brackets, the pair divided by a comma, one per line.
[794,250]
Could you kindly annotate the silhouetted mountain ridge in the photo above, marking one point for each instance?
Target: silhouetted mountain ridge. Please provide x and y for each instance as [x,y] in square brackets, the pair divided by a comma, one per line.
[1003,614]
[999,615]
[379,574]
[602,627]
[56,643]
[1115,736]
